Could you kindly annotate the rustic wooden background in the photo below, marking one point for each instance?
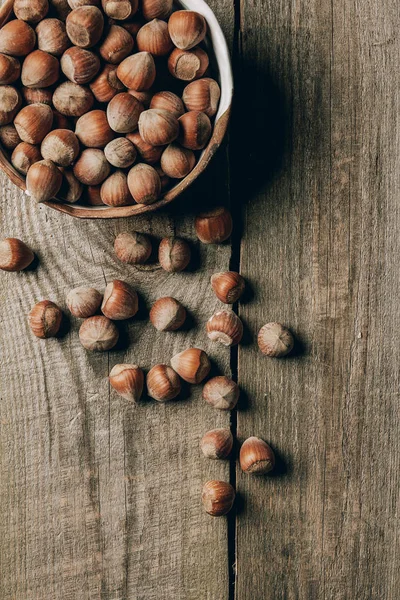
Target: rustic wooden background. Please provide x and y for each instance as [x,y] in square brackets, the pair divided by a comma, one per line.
[101,500]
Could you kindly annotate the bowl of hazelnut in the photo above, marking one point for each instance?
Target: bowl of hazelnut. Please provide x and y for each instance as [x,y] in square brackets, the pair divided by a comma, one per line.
[110,108]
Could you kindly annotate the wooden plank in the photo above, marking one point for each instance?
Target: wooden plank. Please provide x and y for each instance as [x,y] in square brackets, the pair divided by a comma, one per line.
[320,248]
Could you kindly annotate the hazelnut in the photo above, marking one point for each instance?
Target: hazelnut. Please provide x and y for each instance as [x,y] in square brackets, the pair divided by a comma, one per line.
[15,255]
[193,365]
[132,26]
[71,189]
[40,70]
[177,162]
[218,498]
[78,3]
[256,457]
[52,37]
[154,38]
[24,156]
[10,69]
[45,319]
[117,45]
[80,65]
[127,381]
[144,184]
[85,26]
[37,95]
[275,340]
[43,180]
[17,38]
[72,100]
[61,8]
[194,130]
[167,314]
[120,301]
[84,302]
[174,254]
[120,9]
[61,146]
[9,137]
[148,154]
[217,444]
[215,226]
[31,10]
[10,103]
[228,286]
[156,9]
[60,121]
[137,72]
[188,65]
[225,327]
[34,122]
[123,113]
[120,153]
[163,383]
[133,248]
[158,127]
[187,28]
[165,180]
[106,85]
[91,195]
[168,101]
[92,167]
[221,393]
[202,95]
[93,129]
[98,334]
[143,97]
[115,191]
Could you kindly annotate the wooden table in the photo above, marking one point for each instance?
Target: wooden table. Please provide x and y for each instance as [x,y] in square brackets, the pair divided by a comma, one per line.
[101,500]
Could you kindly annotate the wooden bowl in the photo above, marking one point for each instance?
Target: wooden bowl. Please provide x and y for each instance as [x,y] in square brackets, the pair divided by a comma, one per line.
[223,66]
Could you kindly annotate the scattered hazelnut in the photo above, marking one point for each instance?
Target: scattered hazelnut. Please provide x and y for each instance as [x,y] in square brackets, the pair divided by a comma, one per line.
[92,167]
[24,156]
[167,314]
[45,319]
[187,28]
[106,85]
[133,248]
[61,146]
[127,381]
[256,457]
[10,103]
[31,10]
[71,189]
[117,45]
[149,154]
[43,180]
[193,365]
[72,100]
[158,127]
[188,65]
[217,444]
[115,191]
[144,184]
[228,286]
[202,95]
[9,137]
[163,383]
[218,498]
[93,129]
[80,65]
[154,38]
[85,26]
[10,69]
[37,95]
[40,70]
[177,162]
[120,301]
[123,113]
[195,130]
[120,9]
[52,37]
[98,334]
[275,340]
[137,72]
[215,226]
[168,101]
[84,302]
[156,9]
[34,122]
[221,393]
[225,327]
[174,254]
[143,97]
[120,153]
[15,255]
[17,38]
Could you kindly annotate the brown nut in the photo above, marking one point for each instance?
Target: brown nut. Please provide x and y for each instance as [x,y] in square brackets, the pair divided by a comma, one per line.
[202,95]
[168,101]
[37,95]
[144,184]
[61,122]
[193,365]
[61,146]
[133,248]
[120,301]
[85,26]
[215,226]
[9,137]
[143,97]
[256,457]
[106,85]
[40,70]
[187,28]
[225,327]
[163,383]
[217,444]
[156,9]
[154,38]
[158,127]
[34,122]
[15,255]
[228,286]
[52,37]
[127,381]
[117,45]
[137,72]
[31,10]
[78,3]
[80,65]
[91,195]
[84,302]
[17,38]
[10,69]
[72,100]
[275,340]
[167,314]
[120,153]
[123,113]
[148,154]
[188,65]
[93,129]
[71,189]
[61,8]
[218,498]
[24,156]
[98,334]
[120,9]
[10,103]
[165,180]
[43,180]
[115,191]
[195,130]
[221,393]
[174,254]
[45,319]
[177,162]
[92,167]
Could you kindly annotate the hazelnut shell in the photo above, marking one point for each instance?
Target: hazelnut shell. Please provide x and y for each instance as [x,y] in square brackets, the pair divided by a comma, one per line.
[45,319]
[128,381]
[193,365]
[163,384]
[15,255]
[256,457]
[98,334]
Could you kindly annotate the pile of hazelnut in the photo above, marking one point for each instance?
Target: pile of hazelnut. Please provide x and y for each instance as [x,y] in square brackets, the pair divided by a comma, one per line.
[87,110]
